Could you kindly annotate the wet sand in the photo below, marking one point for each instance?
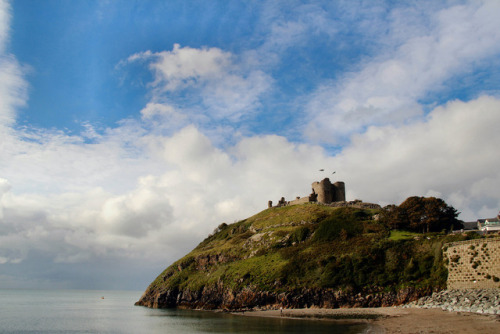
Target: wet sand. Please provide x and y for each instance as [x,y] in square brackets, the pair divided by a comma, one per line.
[397,319]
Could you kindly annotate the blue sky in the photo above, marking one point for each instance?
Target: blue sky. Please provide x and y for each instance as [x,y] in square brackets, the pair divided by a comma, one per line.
[131,129]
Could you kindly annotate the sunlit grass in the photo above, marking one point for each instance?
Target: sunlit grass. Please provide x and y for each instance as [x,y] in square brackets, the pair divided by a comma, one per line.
[402,235]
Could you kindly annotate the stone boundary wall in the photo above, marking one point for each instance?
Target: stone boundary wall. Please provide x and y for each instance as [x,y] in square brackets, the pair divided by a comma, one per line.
[473,264]
[298,201]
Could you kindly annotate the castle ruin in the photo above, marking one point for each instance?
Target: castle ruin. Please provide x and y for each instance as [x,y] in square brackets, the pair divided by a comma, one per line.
[323,192]
[328,192]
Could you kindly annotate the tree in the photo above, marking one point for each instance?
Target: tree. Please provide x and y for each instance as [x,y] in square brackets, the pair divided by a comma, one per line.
[394,217]
[429,214]
[415,213]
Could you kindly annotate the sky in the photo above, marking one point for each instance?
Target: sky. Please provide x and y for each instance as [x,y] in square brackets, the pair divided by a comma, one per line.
[129,130]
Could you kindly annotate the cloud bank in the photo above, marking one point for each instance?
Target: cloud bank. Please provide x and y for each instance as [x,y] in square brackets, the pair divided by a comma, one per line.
[80,210]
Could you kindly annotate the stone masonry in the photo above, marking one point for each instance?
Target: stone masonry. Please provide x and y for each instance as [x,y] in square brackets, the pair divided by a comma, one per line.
[323,192]
[473,264]
[328,192]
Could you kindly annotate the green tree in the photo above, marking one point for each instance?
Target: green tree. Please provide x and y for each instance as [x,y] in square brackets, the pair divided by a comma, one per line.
[394,218]
[429,214]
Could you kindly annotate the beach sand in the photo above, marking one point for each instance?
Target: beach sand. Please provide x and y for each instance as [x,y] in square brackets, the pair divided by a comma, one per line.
[397,319]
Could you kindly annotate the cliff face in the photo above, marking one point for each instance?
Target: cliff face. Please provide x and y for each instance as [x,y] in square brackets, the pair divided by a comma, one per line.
[218,297]
[301,256]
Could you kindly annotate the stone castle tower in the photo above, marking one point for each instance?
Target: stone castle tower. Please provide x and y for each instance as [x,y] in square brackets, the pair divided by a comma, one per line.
[323,192]
[328,192]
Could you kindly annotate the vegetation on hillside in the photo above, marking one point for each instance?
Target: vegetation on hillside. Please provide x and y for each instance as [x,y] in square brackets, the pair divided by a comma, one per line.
[314,246]
[421,214]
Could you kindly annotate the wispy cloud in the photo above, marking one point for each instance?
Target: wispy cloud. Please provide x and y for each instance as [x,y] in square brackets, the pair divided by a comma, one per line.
[13,87]
[387,89]
[205,83]
[5,15]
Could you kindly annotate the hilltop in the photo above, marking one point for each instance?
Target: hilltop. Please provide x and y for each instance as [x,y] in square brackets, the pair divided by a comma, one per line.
[304,255]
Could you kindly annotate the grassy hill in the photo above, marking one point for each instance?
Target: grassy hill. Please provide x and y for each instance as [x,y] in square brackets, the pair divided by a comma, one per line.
[303,255]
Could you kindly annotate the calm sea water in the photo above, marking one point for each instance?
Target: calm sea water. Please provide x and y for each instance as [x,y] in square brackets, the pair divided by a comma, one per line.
[75,311]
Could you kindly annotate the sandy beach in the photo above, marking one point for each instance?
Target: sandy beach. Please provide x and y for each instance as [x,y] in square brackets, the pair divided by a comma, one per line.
[397,319]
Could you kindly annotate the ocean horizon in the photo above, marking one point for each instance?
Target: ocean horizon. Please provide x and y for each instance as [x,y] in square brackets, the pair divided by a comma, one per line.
[110,311]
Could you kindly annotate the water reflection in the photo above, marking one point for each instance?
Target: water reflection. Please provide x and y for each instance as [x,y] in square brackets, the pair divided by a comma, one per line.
[187,321]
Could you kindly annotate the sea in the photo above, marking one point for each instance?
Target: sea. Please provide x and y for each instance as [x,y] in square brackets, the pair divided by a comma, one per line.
[84,311]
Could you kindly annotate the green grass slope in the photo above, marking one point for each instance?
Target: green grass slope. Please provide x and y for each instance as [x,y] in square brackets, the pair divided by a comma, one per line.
[308,246]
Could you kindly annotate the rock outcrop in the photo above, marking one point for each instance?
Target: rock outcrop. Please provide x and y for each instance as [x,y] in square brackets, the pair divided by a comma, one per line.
[219,297]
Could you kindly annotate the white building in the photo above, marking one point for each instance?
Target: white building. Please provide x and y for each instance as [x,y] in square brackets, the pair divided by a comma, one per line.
[489,224]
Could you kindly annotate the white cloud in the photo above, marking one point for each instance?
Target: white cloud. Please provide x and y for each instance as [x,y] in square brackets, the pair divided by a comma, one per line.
[13,87]
[132,195]
[234,96]
[4,24]
[183,67]
[13,90]
[225,88]
[386,90]
[137,213]
[451,154]
[160,111]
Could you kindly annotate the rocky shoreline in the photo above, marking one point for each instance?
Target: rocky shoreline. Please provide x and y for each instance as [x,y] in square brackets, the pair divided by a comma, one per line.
[219,297]
[482,301]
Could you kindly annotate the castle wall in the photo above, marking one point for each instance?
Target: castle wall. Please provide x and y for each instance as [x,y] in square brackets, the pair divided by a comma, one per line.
[328,193]
[473,264]
[324,191]
[302,200]
[338,192]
